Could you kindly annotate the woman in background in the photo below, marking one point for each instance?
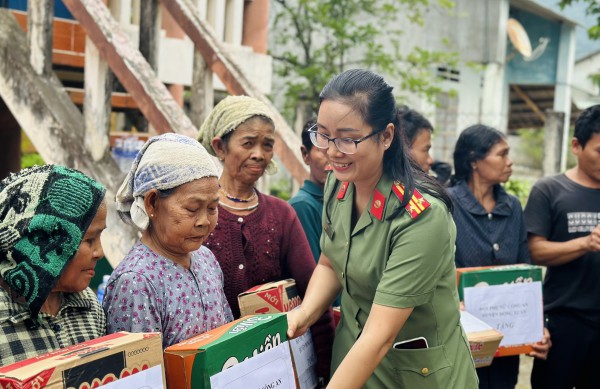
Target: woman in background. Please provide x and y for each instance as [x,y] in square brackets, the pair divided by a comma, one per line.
[258,238]
[489,224]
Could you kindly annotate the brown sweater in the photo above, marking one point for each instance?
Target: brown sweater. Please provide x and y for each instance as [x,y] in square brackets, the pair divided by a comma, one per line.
[268,245]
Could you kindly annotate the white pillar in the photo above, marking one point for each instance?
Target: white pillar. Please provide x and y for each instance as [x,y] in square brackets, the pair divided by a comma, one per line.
[564,79]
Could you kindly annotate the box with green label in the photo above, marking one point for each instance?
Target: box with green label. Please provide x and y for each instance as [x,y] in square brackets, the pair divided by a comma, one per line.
[191,363]
[496,275]
[507,298]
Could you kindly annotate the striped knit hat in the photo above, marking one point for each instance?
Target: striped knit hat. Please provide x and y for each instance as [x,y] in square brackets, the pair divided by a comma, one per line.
[44,214]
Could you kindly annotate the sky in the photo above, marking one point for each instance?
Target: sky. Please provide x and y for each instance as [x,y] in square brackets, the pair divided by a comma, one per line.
[576,12]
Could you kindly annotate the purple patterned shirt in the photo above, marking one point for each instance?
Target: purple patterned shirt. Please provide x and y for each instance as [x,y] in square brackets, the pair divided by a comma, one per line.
[148,292]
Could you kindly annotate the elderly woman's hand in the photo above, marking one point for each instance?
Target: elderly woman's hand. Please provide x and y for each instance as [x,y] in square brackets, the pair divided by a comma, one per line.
[541,348]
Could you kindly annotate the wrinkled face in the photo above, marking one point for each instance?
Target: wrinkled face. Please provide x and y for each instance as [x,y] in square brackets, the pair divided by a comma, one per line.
[77,275]
[419,150]
[248,150]
[185,218]
[317,162]
[496,167]
[588,158]
[339,120]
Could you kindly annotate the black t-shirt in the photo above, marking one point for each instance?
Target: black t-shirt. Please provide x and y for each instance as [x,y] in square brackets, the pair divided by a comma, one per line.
[560,210]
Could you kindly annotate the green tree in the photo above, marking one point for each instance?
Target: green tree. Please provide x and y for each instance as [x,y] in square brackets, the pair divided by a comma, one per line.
[316,39]
[593,8]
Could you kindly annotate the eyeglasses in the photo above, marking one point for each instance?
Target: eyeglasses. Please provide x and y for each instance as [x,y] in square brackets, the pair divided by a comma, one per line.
[344,145]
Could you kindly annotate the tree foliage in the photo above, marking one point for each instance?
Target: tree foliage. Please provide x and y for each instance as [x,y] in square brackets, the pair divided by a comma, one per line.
[316,39]
[593,9]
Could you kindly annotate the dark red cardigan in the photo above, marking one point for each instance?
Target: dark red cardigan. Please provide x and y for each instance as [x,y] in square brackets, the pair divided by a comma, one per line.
[268,245]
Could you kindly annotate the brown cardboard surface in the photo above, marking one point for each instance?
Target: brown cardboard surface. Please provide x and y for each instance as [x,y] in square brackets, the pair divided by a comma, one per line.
[483,339]
[272,297]
[88,364]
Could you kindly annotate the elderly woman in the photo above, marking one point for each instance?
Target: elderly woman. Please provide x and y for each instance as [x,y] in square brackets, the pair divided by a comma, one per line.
[51,218]
[490,226]
[169,282]
[259,237]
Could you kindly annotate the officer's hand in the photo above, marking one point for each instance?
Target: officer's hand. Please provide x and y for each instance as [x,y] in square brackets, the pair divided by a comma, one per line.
[297,323]
[541,348]
[593,239]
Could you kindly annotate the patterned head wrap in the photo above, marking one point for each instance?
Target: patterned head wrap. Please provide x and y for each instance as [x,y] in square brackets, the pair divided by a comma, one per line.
[165,162]
[44,214]
[228,115]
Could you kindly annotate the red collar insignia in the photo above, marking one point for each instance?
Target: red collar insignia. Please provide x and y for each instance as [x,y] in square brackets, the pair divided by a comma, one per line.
[342,193]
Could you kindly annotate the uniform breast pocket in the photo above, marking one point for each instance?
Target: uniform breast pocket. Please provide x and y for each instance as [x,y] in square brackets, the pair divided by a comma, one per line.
[422,368]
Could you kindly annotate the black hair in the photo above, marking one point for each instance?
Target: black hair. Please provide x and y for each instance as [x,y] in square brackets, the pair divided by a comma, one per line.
[587,123]
[369,95]
[473,144]
[413,123]
[306,142]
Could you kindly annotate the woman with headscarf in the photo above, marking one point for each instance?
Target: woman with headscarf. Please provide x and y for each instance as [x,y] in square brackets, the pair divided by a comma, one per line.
[168,282]
[258,238]
[51,218]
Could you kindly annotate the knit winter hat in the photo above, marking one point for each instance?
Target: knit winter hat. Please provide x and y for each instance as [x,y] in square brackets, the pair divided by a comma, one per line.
[44,214]
[228,115]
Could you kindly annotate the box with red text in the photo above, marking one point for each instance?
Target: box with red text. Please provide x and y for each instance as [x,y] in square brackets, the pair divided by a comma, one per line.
[123,359]
[272,297]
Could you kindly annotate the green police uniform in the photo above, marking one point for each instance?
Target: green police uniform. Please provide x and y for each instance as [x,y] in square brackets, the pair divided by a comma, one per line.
[407,262]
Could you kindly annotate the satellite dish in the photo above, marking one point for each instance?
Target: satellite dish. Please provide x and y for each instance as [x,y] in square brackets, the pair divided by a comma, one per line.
[520,41]
[519,38]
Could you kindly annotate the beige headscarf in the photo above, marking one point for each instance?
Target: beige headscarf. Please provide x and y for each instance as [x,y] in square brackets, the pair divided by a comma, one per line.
[166,161]
[228,115]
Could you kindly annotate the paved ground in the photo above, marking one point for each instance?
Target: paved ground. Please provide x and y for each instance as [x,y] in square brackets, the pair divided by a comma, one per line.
[525,372]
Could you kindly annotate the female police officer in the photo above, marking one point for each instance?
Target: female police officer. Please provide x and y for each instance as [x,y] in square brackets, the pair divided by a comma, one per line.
[388,244]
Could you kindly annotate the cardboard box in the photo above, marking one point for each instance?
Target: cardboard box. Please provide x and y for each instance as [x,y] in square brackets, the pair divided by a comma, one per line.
[191,363]
[269,369]
[123,359]
[496,275]
[483,339]
[272,297]
[508,298]
[305,361]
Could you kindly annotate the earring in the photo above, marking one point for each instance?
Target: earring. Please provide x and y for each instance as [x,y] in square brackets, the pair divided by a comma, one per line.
[151,215]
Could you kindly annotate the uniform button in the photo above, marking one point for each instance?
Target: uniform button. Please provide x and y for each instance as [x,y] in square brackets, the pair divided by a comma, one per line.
[490,216]
[241,266]
[342,274]
[425,371]
[240,219]
[347,244]
[496,247]
[357,324]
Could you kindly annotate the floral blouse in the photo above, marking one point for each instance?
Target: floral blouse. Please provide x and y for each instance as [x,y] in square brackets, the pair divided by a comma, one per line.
[148,292]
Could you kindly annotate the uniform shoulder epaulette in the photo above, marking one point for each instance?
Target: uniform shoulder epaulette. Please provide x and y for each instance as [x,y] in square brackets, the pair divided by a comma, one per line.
[417,203]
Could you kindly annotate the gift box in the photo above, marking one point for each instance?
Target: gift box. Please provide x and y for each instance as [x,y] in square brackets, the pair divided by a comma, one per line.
[192,363]
[509,299]
[272,297]
[483,339]
[123,359]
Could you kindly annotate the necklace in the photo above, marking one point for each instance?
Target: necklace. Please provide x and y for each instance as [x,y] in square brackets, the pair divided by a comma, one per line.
[239,200]
[250,208]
